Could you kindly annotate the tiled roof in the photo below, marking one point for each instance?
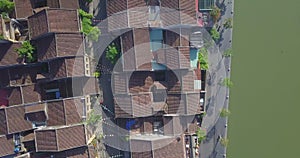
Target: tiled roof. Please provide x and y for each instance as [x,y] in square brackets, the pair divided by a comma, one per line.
[67,67]
[164,147]
[135,13]
[23,8]
[3,122]
[36,112]
[31,93]
[71,4]
[65,112]
[7,145]
[60,138]
[134,96]
[56,45]
[81,152]
[16,121]
[53,20]
[11,95]
[8,55]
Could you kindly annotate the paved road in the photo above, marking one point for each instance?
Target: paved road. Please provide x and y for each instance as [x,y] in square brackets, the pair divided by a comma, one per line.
[211,148]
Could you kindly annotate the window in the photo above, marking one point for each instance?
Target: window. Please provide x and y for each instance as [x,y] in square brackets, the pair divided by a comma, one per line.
[53,94]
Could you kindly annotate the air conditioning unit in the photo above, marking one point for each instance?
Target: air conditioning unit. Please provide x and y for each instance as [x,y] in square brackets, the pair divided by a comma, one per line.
[87,66]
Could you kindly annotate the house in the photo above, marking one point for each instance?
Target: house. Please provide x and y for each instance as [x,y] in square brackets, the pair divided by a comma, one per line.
[158,84]
[53,20]
[26,8]
[51,95]
[155,13]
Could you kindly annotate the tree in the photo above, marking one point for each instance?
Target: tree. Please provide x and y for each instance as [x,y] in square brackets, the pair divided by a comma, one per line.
[215,13]
[224,141]
[112,53]
[92,32]
[227,82]
[93,118]
[6,6]
[228,23]
[225,113]
[26,51]
[203,58]
[201,134]
[228,53]
[1,37]
[215,35]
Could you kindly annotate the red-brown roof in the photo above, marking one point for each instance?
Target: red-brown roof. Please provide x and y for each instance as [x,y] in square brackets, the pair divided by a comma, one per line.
[53,20]
[135,13]
[59,45]
[7,145]
[16,121]
[8,53]
[135,98]
[36,112]
[67,67]
[60,138]
[81,152]
[65,112]
[170,147]
[71,4]
[23,8]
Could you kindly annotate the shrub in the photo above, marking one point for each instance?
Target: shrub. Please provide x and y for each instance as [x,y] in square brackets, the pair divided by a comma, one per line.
[202,58]
[112,53]
[6,6]
[26,51]
[1,37]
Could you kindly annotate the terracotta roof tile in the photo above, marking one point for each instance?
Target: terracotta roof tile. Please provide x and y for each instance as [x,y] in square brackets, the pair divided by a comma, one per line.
[3,122]
[16,121]
[23,8]
[8,55]
[60,138]
[53,20]
[7,145]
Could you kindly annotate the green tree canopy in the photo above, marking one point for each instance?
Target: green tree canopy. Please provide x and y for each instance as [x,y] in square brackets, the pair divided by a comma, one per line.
[224,141]
[6,6]
[201,134]
[215,35]
[228,23]
[26,51]
[227,82]
[92,32]
[225,113]
[215,13]
[228,52]
[203,58]
[112,53]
